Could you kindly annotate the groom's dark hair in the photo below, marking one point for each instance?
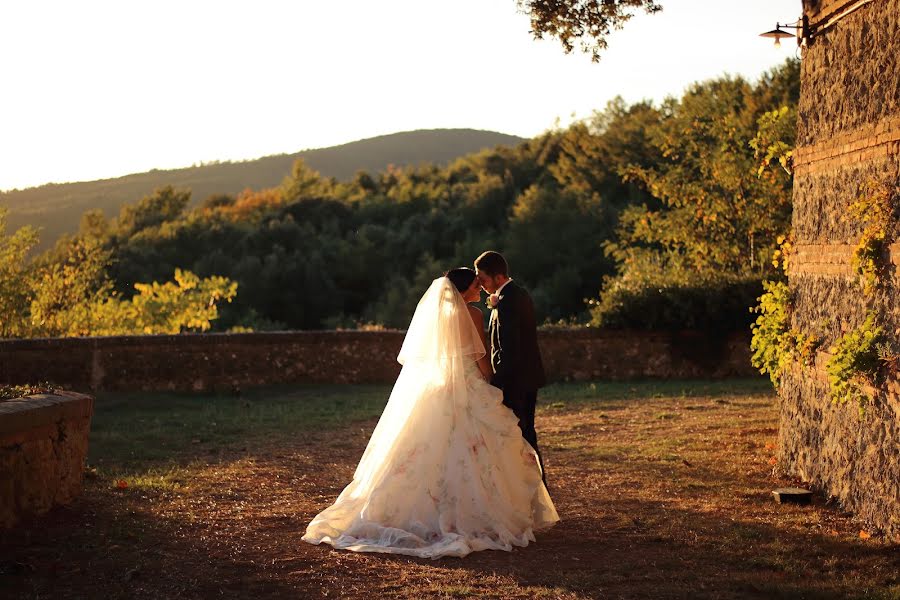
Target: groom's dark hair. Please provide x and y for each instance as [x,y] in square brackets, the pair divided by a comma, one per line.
[492,263]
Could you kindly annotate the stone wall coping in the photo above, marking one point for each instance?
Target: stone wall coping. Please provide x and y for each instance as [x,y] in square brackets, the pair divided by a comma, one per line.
[30,412]
[207,338]
[263,337]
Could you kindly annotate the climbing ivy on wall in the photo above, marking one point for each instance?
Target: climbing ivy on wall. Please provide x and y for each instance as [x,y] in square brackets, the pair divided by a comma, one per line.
[860,355]
[858,358]
[875,209]
[775,343]
[855,362]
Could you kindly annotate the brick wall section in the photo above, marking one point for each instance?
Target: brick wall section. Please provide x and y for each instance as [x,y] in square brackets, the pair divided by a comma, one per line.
[208,362]
[43,444]
[830,259]
[856,146]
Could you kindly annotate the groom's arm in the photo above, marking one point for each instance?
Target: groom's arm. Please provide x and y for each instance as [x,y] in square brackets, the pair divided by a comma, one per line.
[509,333]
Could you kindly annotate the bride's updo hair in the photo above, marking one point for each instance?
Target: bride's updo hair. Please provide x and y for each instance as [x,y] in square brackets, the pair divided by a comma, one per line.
[461,277]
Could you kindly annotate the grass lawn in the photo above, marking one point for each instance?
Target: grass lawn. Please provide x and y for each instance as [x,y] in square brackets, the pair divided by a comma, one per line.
[132,434]
[662,487]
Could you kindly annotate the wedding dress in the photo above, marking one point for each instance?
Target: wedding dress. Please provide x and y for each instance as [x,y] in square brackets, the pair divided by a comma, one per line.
[446,471]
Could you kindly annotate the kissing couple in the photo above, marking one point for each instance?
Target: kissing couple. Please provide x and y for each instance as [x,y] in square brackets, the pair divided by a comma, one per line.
[453,465]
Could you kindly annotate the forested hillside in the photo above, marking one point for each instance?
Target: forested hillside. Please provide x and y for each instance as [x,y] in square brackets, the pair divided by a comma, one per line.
[651,216]
[56,208]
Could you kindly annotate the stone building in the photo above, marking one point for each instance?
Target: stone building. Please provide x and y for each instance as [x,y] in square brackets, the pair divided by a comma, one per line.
[848,147]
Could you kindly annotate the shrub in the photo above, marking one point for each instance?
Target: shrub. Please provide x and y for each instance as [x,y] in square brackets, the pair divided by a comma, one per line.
[718,304]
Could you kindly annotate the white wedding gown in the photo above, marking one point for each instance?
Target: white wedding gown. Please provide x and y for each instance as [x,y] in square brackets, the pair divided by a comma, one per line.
[447,471]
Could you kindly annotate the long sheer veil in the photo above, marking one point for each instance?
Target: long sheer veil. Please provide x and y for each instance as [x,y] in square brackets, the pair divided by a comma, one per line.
[441,344]
[441,328]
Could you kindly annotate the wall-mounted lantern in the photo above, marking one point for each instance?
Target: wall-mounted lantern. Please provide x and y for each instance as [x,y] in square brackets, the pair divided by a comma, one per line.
[801,27]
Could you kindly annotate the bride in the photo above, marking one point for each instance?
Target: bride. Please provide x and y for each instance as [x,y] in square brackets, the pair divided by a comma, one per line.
[446,471]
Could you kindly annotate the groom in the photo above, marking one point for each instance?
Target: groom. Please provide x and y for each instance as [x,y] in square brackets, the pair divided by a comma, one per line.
[515,358]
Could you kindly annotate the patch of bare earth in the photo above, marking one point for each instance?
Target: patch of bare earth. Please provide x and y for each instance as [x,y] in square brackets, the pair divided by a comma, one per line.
[659,498]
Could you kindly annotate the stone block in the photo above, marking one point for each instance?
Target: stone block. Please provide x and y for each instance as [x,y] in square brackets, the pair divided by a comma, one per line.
[43,445]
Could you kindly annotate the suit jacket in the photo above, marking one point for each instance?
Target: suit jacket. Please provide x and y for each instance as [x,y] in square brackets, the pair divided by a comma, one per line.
[515,357]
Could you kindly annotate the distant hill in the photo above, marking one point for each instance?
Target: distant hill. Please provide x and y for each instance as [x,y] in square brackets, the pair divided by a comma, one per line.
[57,207]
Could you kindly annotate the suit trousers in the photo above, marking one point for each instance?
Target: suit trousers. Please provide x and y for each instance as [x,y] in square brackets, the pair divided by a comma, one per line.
[522,403]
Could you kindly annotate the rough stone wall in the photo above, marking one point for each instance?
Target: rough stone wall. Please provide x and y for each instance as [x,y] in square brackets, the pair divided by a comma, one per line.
[851,457]
[848,137]
[849,84]
[43,444]
[202,362]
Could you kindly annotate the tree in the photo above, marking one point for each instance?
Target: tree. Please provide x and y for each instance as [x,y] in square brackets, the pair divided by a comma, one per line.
[718,215]
[696,254]
[165,204]
[303,182]
[671,191]
[587,22]
[15,278]
[66,289]
[187,304]
[554,245]
[594,155]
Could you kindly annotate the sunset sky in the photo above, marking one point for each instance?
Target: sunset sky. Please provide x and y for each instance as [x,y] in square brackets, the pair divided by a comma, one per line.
[96,89]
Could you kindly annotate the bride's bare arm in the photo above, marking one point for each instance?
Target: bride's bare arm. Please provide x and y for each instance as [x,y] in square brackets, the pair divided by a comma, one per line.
[484,363]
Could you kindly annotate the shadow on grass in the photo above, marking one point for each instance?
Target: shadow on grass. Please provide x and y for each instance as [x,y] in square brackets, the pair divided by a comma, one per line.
[100,548]
[669,553]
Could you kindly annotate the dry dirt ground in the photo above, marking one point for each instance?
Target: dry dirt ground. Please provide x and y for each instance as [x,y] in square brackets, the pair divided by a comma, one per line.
[660,497]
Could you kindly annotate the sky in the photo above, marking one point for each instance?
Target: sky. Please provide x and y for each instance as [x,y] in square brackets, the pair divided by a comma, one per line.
[96,89]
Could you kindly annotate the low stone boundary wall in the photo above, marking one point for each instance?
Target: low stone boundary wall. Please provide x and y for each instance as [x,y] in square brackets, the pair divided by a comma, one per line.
[222,361]
[43,444]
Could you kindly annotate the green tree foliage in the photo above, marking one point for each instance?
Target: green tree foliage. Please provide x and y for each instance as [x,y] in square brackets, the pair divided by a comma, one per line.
[551,234]
[595,154]
[717,213]
[711,227]
[67,292]
[166,204]
[773,142]
[186,304]
[660,208]
[586,22]
[15,277]
[304,182]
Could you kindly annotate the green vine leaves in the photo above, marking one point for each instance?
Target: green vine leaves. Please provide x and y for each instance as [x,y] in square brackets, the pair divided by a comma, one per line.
[775,344]
[859,357]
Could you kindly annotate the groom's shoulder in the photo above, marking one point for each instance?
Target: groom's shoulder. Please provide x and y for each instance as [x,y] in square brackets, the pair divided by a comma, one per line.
[511,290]
[517,289]
[516,293]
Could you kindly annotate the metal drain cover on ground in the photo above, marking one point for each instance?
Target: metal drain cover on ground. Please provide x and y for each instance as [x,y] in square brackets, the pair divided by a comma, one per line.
[792,495]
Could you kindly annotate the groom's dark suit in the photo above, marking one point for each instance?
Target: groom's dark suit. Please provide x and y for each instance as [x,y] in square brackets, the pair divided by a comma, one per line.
[515,357]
